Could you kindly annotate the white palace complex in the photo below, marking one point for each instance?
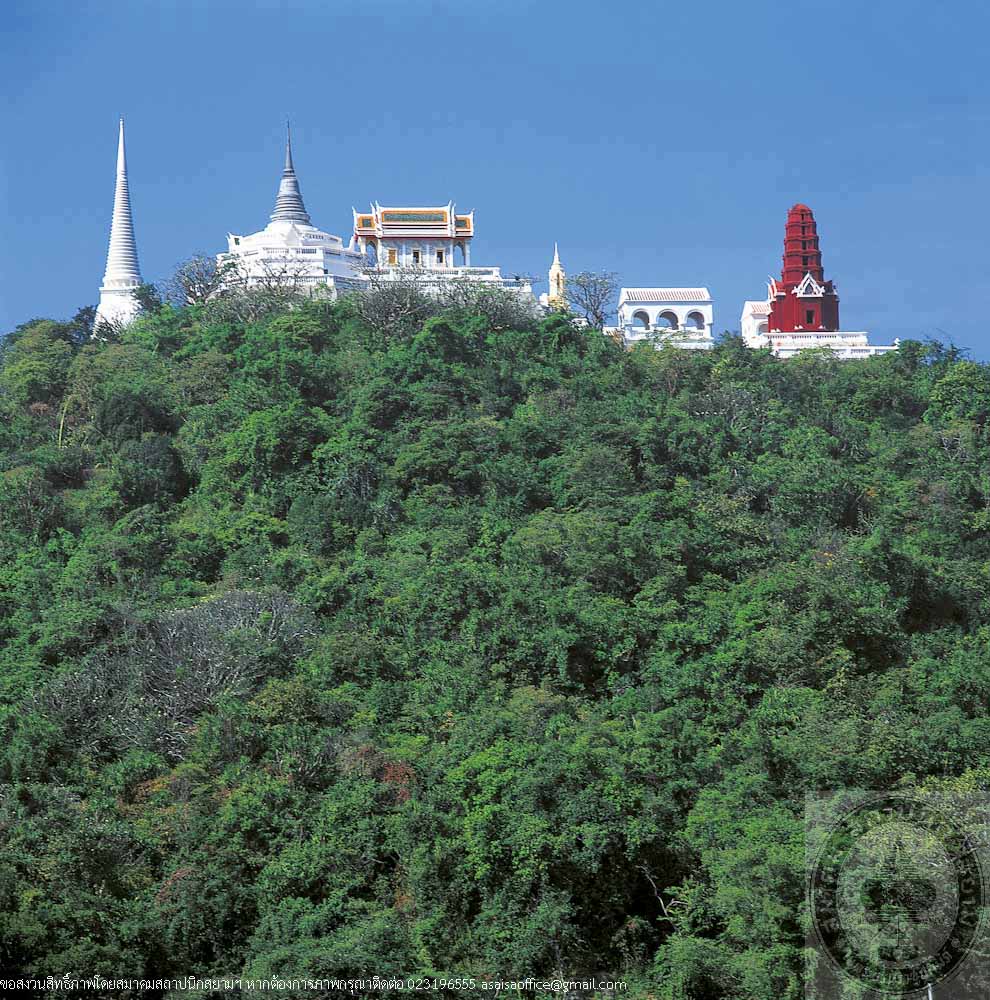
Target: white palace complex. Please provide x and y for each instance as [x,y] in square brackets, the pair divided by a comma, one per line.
[431,245]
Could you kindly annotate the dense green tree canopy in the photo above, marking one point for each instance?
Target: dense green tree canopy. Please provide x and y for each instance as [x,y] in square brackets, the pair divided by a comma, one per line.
[478,650]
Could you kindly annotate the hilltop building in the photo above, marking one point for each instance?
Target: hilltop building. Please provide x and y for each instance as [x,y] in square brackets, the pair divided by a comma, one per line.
[429,238]
[754,324]
[675,317]
[802,309]
[290,250]
[429,244]
[432,246]
[556,297]
[803,299]
[118,304]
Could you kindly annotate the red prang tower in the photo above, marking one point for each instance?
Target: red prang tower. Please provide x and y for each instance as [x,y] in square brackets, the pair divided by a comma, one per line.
[802,299]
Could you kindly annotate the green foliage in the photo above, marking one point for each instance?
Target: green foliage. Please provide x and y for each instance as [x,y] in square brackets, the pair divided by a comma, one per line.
[476,650]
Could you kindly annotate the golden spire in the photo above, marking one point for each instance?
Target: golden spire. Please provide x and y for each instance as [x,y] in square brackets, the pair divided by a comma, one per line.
[557,297]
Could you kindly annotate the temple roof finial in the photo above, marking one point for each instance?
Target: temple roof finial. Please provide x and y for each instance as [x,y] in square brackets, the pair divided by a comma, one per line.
[289,205]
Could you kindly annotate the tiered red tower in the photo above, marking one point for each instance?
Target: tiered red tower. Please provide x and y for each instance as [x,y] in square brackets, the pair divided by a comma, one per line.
[802,300]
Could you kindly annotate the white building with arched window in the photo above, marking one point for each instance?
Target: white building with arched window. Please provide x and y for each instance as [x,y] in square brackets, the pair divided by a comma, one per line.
[754,324]
[678,317]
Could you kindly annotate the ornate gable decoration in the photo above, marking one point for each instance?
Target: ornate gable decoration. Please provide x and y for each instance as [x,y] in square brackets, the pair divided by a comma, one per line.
[416,222]
[809,288]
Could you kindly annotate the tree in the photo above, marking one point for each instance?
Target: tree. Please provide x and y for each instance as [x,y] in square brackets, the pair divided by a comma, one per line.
[591,293]
[148,298]
[82,324]
[198,279]
[282,279]
[245,295]
[962,393]
[36,364]
[395,303]
[401,633]
[502,308]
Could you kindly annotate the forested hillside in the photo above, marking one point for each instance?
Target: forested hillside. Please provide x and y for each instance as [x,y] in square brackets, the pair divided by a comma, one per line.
[464,649]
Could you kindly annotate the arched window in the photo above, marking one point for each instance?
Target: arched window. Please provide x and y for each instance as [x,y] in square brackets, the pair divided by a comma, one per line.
[640,320]
[763,328]
[667,321]
[695,321]
[371,252]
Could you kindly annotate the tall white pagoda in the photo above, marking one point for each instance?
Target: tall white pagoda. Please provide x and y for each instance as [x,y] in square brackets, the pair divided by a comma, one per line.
[118,305]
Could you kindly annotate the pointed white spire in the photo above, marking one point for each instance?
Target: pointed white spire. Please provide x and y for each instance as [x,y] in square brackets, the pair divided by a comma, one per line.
[289,205]
[123,274]
[557,278]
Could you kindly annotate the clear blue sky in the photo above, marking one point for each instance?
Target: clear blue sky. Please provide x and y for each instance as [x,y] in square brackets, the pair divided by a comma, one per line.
[661,141]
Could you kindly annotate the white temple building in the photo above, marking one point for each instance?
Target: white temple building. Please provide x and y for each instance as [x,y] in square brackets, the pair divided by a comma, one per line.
[431,245]
[118,305]
[674,317]
[290,250]
[754,323]
[428,244]
[754,326]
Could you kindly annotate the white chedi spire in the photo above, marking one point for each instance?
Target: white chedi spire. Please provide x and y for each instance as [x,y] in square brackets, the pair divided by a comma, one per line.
[557,279]
[123,274]
[289,205]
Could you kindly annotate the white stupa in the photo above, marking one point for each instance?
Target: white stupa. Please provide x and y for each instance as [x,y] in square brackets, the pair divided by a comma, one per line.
[118,306]
[290,250]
